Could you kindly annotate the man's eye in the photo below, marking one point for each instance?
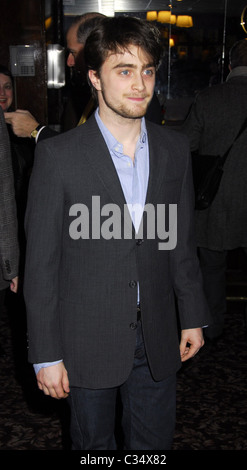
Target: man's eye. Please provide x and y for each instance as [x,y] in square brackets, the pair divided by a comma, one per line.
[125,72]
[148,72]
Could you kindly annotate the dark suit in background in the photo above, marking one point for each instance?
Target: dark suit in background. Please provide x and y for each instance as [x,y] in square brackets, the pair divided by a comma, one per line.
[212,125]
[9,247]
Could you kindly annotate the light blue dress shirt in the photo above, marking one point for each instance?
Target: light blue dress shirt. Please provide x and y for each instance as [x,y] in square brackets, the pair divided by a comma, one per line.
[133,177]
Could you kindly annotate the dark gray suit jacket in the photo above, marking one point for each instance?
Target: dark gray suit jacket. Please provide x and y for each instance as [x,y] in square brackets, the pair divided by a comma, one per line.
[215,120]
[9,248]
[81,294]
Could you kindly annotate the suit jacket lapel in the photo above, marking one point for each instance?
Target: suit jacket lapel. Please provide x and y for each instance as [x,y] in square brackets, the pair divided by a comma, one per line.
[100,159]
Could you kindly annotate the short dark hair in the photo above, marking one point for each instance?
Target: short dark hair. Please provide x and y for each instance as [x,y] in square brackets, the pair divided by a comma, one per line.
[5,71]
[238,54]
[116,34]
[79,19]
[91,20]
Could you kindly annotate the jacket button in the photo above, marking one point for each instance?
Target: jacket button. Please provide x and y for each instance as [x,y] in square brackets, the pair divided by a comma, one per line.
[7,265]
[132,284]
[139,242]
[133,326]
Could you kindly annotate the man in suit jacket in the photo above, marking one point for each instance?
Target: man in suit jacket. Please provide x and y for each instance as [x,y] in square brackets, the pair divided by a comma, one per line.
[215,120]
[99,286]
[9,248]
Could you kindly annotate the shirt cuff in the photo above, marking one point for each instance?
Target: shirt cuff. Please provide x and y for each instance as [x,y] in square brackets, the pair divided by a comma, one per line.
[37,367]
[37,136]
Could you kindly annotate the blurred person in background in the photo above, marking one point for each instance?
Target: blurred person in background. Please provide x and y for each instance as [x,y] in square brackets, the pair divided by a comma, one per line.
[22,155]
[215,120]
[9,246]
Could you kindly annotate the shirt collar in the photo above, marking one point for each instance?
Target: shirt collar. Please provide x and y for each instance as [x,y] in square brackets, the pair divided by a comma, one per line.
[240,71]
[112,143]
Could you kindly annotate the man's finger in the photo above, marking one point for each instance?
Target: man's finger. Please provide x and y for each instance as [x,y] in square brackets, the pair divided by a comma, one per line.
[8,117]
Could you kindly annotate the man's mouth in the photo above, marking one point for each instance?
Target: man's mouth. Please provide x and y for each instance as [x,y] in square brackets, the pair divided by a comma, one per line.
[137,98]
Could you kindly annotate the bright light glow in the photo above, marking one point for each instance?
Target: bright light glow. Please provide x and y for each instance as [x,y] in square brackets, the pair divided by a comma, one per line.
[184,21]
[151,15]
[164,16]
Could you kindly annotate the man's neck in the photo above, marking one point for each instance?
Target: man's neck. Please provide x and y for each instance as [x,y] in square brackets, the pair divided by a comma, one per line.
[125,130]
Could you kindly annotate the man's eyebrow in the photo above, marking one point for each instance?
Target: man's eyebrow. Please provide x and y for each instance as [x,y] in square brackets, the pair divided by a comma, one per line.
[133,66]
[123,64]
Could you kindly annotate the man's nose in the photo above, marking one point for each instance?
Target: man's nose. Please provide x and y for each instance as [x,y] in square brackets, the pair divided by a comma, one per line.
[139,82]
[70,60]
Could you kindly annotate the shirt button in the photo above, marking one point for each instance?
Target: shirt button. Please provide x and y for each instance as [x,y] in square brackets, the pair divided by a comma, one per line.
[132,284]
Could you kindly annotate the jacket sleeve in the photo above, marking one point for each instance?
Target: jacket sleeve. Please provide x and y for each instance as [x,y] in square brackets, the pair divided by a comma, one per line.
[187,279]
[193,125]
[43,223]
[46,133]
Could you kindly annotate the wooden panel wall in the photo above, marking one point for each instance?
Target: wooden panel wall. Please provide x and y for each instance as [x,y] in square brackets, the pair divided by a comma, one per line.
[23,22]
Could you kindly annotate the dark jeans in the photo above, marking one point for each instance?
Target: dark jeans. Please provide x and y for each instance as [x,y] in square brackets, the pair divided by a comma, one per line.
[149,409]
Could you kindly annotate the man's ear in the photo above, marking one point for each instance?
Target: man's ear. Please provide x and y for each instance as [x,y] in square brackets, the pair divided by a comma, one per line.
[94,79]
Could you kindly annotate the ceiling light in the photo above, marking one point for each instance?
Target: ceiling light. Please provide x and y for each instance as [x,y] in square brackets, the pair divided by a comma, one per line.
[151,15]
[184,21]
[164,17]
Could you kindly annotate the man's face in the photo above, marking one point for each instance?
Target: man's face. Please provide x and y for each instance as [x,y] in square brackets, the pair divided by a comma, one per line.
[126,83]
[75,57]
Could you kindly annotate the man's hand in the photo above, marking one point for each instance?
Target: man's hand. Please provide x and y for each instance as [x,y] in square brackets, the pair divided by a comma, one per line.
[14,285]
[191,341]
[53,381]
[22,122]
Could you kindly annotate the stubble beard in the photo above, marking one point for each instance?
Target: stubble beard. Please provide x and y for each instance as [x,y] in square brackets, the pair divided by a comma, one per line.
[123,110]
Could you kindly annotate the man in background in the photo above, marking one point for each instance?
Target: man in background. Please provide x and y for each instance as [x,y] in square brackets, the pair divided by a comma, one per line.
[80,104]
[215,120]
[76,111]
